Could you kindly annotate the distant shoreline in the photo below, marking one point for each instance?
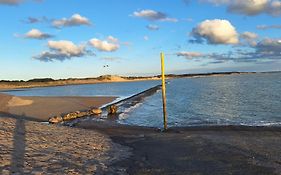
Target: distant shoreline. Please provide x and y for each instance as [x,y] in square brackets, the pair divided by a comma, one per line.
[48,82]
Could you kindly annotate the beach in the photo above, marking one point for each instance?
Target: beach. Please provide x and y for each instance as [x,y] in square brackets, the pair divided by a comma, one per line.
[93,147]
[28,147]
[104,148]
[42,108]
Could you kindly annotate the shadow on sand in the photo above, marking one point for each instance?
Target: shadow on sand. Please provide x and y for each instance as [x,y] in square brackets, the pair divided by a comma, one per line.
[17,164]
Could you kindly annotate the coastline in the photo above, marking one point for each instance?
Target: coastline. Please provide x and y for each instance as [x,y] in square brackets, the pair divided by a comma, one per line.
[9,85]
[92,146]
[32,147]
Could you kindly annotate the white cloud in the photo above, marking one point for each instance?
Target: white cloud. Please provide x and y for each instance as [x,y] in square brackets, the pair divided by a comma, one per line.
[74,20]
[62,50]
[215,31]
[274,8]
[109,45]
[154,16]
[190,55]
[37,34]
[250,7]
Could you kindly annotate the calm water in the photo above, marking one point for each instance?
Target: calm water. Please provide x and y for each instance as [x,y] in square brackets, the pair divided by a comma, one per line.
[229,100]
[121,90]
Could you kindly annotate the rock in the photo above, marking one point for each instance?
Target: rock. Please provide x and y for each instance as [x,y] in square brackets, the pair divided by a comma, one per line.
[112,109]
[70,116]
[55,119]
[82,114]
[96,111]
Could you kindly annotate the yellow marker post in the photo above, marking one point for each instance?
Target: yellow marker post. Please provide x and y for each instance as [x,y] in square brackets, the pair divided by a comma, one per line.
[163,90]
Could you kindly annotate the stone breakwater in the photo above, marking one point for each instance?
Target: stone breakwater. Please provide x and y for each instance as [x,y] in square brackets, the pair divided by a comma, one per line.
[111,110]
[75,115]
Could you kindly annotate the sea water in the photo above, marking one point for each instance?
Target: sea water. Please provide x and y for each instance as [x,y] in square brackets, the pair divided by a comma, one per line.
[116,89]
[251,99]
[248,99]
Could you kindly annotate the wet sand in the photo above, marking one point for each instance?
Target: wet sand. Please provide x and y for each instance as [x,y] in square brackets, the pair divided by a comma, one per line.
[42,108]
[196,150]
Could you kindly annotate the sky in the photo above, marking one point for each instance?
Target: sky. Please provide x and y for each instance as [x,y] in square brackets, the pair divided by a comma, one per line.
[89,38]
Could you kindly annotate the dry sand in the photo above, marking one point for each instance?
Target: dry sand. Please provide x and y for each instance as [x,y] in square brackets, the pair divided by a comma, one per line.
[28,147]
[42,108]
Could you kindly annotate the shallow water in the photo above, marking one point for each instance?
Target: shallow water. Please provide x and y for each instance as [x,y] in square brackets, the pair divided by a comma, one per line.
[252,100]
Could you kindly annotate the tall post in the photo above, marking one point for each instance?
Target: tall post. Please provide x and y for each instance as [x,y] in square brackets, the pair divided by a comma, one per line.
[163,90]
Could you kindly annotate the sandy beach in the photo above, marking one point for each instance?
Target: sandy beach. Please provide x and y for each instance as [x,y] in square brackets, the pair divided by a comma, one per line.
[28,147]
[42,108]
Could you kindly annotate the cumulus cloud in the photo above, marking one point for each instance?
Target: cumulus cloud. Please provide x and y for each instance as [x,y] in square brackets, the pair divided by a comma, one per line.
[266,27]
[111,44]
[62,50]
[190,55]
[215,31]
[274,8]
[249,37]
[37,34]
[250,7]
[153,16]
[74,20]
[152,27]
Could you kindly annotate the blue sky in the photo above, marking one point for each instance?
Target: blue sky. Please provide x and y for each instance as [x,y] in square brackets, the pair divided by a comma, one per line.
[70,38]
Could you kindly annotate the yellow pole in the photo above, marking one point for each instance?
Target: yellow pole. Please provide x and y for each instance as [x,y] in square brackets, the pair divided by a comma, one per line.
[163,90]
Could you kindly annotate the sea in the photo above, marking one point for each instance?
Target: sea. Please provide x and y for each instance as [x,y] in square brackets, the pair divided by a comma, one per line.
[245,99]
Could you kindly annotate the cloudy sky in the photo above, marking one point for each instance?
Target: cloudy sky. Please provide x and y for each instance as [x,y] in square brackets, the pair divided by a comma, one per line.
[87,38]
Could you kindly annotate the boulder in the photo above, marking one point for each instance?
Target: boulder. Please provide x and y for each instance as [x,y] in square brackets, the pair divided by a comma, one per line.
[55,119]
[112,109]
[82,114]
[96,111]
[70,116]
